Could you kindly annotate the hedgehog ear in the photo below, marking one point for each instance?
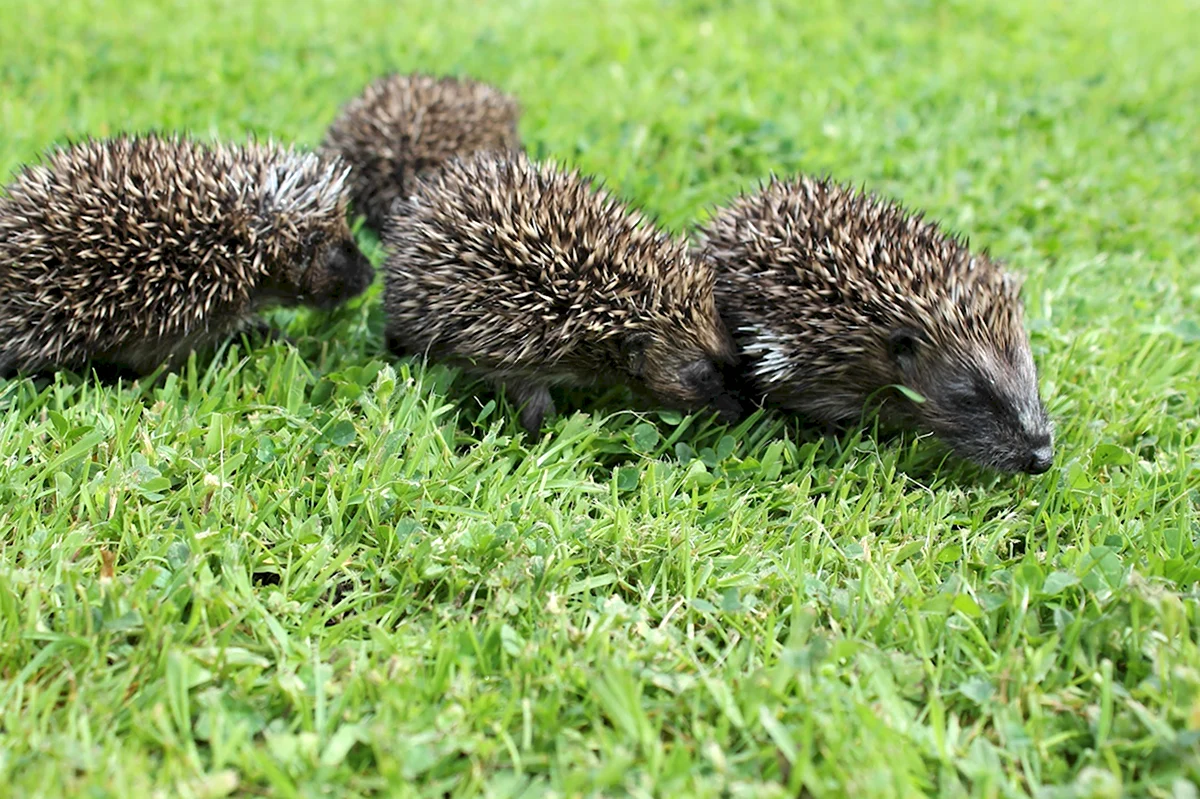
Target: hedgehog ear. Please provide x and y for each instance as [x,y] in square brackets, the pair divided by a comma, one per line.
[904,344]
[633,352]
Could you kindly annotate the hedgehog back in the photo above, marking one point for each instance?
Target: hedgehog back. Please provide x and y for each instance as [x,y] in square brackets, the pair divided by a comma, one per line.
[524,269]
[403,125]
[813,275]
[135,239]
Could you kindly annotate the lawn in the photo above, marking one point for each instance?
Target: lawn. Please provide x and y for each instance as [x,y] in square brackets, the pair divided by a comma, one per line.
[318,571]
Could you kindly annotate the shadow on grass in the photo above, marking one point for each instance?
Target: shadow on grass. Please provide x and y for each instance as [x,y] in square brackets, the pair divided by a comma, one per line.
[628,428]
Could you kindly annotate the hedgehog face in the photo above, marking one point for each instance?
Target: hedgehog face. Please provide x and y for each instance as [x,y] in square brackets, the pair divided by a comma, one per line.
[985,405]
[337,272]
[834,294]
[681,371]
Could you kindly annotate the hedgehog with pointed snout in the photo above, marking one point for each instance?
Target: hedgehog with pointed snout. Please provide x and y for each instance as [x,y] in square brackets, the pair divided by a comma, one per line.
[835,297]
[128,253]
[532,276]
[403,126]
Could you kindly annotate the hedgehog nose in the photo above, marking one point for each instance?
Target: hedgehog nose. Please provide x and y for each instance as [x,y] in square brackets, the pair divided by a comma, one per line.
[729,409]
[356,271]
[1040,460]
[364,275]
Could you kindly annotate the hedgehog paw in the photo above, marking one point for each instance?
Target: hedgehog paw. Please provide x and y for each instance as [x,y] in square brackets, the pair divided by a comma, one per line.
[535,403]
[395,345]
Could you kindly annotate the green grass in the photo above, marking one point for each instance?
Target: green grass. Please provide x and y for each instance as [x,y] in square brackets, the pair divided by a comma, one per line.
[318,572]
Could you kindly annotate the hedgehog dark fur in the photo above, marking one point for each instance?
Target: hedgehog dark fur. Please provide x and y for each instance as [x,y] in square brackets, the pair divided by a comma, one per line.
[833,295]
[131,252]
[532,276]
[402,126]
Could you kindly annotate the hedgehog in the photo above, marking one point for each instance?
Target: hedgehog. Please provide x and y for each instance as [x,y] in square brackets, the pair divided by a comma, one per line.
[128,253]
[533,276]
[836,297]
[403,126]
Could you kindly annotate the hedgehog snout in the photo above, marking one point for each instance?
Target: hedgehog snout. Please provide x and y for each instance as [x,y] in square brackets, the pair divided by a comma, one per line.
[341,274]
[1039,436]
[703,385]
[1040,459]
[1036,431]
[358,272]
[1005,433]
[1030,457]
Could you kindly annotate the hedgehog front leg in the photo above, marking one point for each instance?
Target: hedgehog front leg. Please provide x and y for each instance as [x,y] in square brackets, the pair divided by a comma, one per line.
[394,344]
[534,401]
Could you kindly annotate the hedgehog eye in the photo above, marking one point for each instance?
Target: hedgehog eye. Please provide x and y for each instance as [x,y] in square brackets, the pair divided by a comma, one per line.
[903,343]
[969,401]
[633,352]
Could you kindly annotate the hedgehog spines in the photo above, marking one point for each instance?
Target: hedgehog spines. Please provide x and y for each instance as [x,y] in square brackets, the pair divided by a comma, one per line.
[403,126]
[140,247]
[816,279]
[529,274]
